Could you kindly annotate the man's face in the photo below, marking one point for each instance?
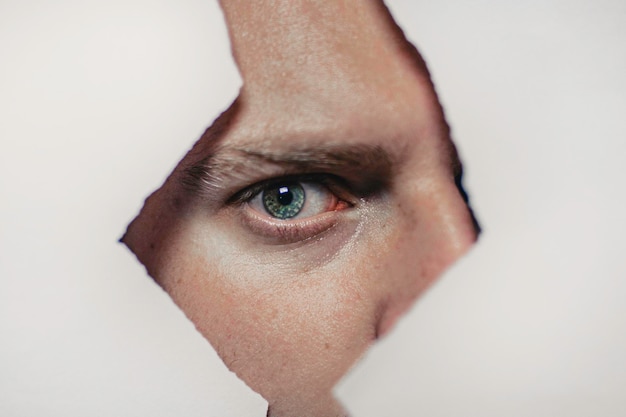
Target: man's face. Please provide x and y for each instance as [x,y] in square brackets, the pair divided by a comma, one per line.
[301,226]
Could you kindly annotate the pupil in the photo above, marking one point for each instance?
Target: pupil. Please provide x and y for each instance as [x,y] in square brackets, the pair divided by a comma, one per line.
[285,196]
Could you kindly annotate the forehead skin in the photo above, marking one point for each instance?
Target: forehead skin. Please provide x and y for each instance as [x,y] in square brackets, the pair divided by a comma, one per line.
[290,318]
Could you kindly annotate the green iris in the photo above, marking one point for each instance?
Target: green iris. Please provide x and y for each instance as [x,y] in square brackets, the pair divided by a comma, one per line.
[284,201]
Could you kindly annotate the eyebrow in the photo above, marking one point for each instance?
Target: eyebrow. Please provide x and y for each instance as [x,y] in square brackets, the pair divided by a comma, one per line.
[367,166]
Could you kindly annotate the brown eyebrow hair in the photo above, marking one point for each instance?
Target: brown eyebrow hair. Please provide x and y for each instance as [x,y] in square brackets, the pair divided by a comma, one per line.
[367,167]
[370,166]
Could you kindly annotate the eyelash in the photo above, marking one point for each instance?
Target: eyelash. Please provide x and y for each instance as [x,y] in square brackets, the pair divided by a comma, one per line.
[292,229]
[334,184]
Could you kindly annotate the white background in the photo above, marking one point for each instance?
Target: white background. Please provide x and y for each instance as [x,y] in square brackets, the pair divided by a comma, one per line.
[99,101]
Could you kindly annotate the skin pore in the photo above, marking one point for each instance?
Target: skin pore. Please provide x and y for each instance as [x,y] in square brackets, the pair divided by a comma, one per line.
[317,208]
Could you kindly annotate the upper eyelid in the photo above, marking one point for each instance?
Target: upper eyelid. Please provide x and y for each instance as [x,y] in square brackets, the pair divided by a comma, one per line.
[366,168]
[331,181]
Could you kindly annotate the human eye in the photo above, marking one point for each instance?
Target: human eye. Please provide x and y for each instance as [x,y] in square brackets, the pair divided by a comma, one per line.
[291,209]
[292,200]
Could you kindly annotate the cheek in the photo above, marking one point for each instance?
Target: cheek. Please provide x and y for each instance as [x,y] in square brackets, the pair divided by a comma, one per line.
[280,326]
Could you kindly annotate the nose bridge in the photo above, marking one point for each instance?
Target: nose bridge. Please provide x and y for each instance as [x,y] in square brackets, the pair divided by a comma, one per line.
[434,228]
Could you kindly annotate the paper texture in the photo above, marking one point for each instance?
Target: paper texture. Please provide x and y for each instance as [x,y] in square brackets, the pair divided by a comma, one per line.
[99,101]
[531,322]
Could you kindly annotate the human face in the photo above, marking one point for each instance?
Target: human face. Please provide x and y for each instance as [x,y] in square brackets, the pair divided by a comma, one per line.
[305,222]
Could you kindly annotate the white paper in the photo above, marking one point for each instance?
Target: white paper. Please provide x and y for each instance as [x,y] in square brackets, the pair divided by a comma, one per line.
[98,102]
[531,322]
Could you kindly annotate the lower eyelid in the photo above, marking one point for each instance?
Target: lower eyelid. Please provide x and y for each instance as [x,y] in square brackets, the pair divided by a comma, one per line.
[282,232]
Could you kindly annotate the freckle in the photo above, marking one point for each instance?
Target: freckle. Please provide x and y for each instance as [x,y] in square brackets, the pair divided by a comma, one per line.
[327,346]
